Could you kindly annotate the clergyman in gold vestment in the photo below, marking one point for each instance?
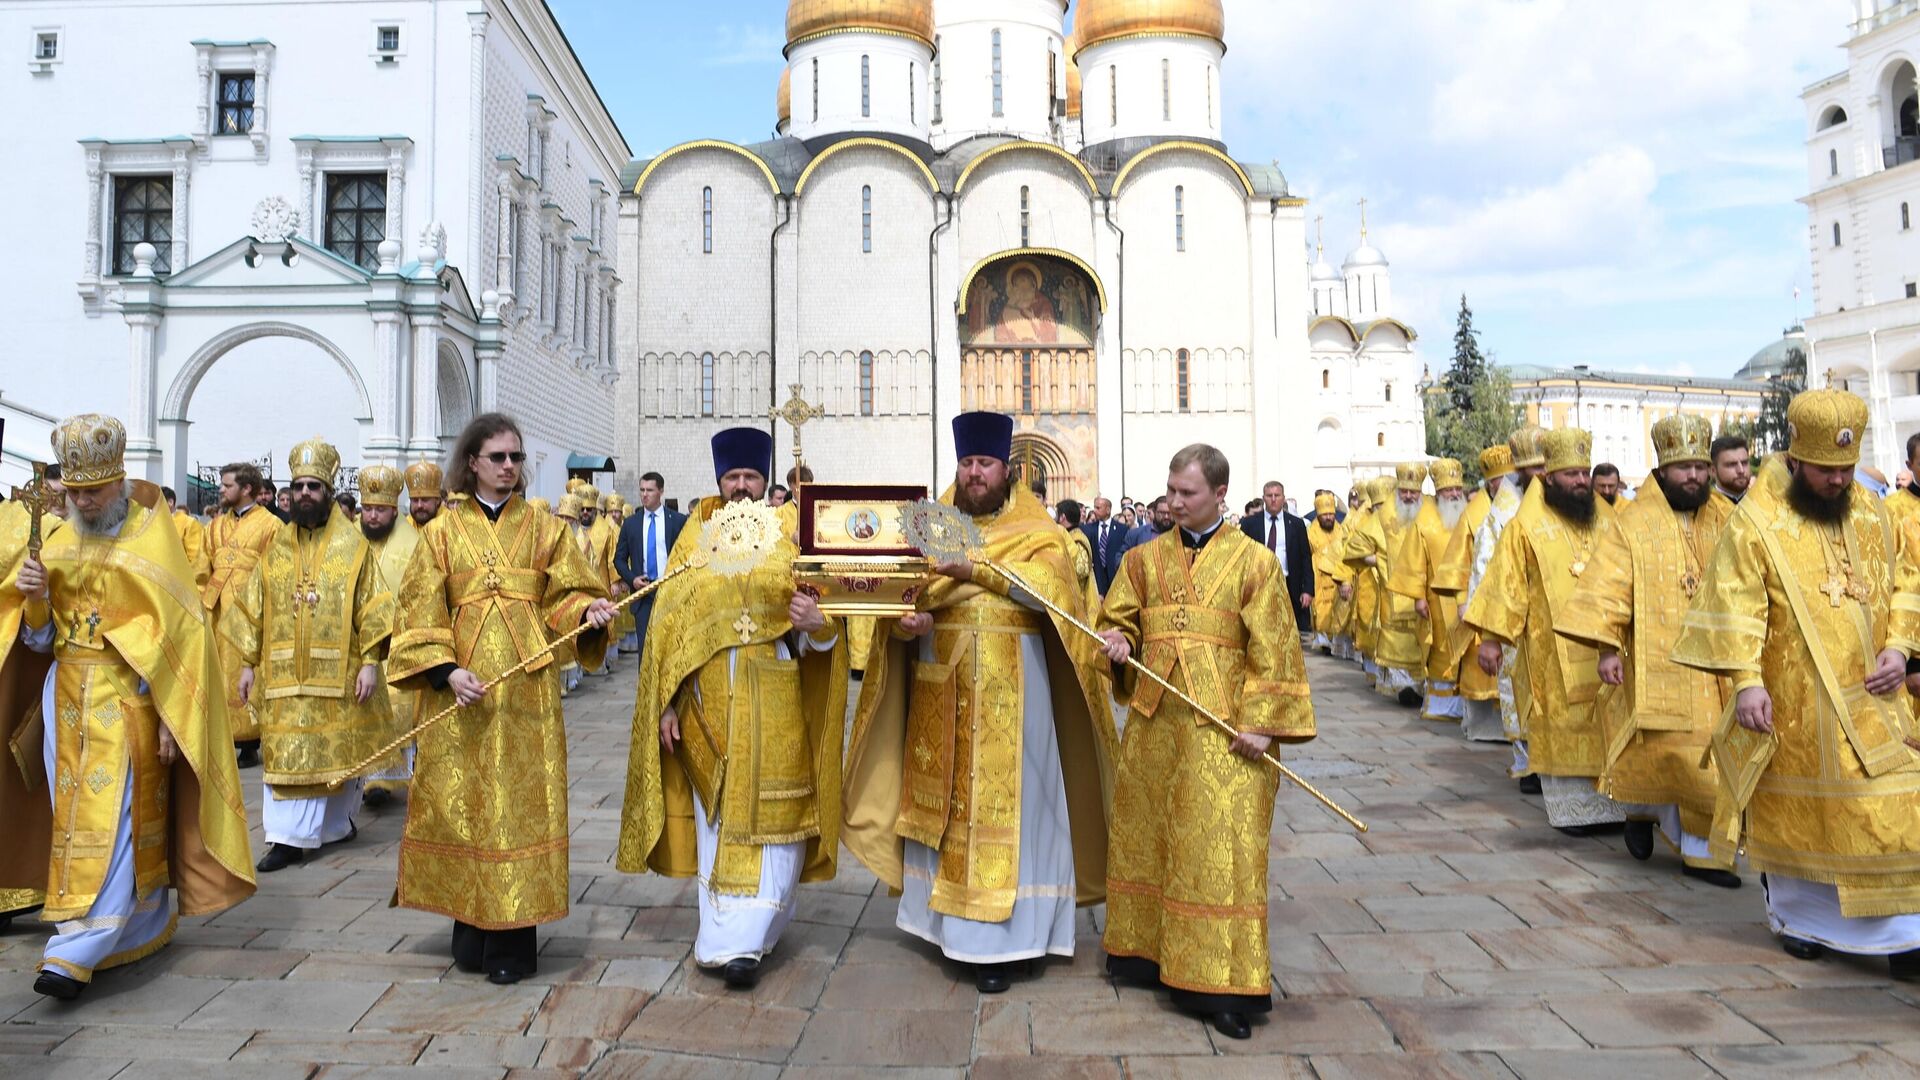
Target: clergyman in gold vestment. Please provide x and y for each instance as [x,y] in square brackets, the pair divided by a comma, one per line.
[1332,578]
[1479,691]
[15,521]
[982,755]
[1539,559]
[1657,716]
[1206,607]
[1365,553]
[391,538]
[1416,566]
[310,628]
[1818,784]
[733,773]
[122,781]
[486,835]
[237,537]
[1399,651]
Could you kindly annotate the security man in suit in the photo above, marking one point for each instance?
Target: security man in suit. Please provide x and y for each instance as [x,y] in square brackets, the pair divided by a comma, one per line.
[1108,539]
[646,537]
[1285,536]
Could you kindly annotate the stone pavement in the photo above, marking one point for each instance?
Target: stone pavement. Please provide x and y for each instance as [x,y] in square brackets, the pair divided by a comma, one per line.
[1461,937]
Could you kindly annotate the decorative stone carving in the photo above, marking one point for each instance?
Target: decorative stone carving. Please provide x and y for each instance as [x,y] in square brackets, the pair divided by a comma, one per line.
[275,220]
[433,243]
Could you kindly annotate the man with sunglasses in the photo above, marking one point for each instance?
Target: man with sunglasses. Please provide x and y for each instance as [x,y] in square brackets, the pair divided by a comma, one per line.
[310,625]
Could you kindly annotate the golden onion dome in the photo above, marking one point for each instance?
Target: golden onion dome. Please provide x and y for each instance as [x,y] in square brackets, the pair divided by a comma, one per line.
[1109,20]
[784,100]
[1073,76]
[809,19]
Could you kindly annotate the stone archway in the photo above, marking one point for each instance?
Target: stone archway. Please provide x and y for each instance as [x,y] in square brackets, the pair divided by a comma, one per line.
[458,400]
[1038,458]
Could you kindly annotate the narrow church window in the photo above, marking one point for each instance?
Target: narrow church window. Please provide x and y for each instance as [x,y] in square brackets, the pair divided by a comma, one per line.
[706,220]
[866,220]
[1380,439]
[1026,381]
[706,384]
[913,93]
[1906,219]
[1180,219]
[816,88]
[866,86]
[1833,163]
[1836,234]
[1166,89]
[142,213]
[513,248]
[1113,95]
[236,104]
[1025,220]
[866,384]
[1209,97]
[1181,376]
[356,217]
[936,78]
[1326,379]
[1389,391]
[998,97]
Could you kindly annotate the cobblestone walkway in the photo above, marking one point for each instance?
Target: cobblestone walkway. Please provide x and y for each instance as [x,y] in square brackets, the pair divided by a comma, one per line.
[1461,937]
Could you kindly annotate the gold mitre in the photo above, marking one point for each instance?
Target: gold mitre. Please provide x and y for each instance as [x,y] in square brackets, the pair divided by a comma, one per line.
[569,508]
[91,449]
[607,501]
[379,486]
[1446,473]
[540,504]
[1409,475]
[1567,448]
[1682,438]
[1380,490]
[1528,453]
[313,460]
[1326,503]
[588,495]
[424,480]
[1496,461]
[573,484]
[1824,427]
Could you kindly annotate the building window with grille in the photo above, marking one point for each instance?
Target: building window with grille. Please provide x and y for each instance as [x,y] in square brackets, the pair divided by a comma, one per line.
[357,217]
[1179,219]
[866,384]
[1166,89]
[866,86]
[1026,220]
[936,78]
[142,213]
[706,384]
[236,104]
[1026,381]
[1182,377]
[866,220]
[706,220]
[998,97]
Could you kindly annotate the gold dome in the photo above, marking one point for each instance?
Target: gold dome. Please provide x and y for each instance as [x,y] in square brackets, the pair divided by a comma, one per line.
[1107,20]
[809,19]
[785,98]
[1073,76]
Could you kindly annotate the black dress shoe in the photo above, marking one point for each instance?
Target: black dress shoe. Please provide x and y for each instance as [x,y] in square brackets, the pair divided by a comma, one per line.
[376,797]
[279,857]
[1233,1025]
[1640,840]
[991,978]
[504,976]
[248,757]
[1409,697]
[1904,966]
[742,973]
[1801,948]
[1576,830]
[1530,785]
[58,986]
[1725,879]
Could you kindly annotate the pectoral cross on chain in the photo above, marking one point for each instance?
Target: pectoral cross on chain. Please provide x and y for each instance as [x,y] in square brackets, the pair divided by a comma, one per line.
[1836,590]
[797,413]
[745,626]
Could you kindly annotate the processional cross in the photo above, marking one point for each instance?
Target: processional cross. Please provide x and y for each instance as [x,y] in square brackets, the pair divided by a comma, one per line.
[797,413]
[34,498]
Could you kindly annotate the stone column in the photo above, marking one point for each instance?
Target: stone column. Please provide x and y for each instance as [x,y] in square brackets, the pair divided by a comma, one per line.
[425,440]
[142,308]
[487,345]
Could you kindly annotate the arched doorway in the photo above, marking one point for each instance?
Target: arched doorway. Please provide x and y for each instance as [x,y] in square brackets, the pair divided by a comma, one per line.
[1028,325]
[1038,459]
[457,397]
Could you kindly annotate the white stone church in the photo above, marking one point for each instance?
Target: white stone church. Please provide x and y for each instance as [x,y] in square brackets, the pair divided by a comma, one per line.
[965,206]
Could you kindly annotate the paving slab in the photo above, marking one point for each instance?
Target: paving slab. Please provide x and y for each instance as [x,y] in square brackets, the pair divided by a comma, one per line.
[1615,1020]
[1798,1017]
[454,1008]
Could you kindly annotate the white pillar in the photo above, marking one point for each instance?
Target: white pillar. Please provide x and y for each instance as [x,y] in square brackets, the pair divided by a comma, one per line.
[1110,369]
[425,440]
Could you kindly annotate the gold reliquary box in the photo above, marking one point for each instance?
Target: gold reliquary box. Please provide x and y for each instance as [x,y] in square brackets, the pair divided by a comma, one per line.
[855,558]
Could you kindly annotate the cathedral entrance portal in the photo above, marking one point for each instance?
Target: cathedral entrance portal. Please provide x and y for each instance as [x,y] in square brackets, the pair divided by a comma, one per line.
[1027,337]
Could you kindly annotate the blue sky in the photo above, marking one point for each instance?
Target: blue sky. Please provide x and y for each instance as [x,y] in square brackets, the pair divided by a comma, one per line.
[1611,182]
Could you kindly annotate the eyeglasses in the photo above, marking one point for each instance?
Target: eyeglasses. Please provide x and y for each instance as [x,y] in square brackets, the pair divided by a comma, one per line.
[501,457]
[306,485]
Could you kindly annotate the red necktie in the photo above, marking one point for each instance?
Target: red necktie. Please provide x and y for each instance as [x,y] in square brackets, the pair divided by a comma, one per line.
[1273,535]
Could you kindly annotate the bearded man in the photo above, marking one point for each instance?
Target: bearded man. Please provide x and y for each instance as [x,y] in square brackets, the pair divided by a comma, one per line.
[1479,691]
[237,537]
[1332,578]
[1399,652]
[1515,694]
[392,539]
[1363,553]
[1415,567]
[1549,546]
[424,488]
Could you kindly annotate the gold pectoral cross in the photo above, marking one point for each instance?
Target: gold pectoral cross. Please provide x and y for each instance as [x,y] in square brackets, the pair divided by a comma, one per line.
[1690,583]
[1578,568]
[745,626]
[1837,589]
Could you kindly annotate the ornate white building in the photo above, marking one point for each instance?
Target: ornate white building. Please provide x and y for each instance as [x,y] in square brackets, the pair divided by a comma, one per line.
[967,207]
[252,222]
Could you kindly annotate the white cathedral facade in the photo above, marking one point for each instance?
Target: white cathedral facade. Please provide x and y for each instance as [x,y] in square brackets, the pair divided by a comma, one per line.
[965,206]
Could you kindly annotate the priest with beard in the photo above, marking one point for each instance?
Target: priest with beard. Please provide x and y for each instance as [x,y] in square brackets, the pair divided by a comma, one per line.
[1415,567]
[1332,579]
[1365,553]
[981,762]
[392,538]
[1398,652]
[1479,691]
[1656,715]
[1541,557]
[1816,779]
[1513,691]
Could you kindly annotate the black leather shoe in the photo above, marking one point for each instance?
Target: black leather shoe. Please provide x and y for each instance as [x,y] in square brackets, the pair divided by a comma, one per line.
[1801,948]
[741,974]
[504,976]
[376,797]
[58,986]
[1233,1025]
[248,757]
[1639,838]
[1725,879]
[1904,966]
[991,978]
[1530,785]
[1409,697]
[1576,830]
[279,857]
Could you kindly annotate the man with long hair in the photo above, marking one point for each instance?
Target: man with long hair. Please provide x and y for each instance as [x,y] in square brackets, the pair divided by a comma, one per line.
[486,834]
[237,537]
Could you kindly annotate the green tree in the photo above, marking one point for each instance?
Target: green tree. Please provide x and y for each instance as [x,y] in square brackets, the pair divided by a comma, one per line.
[1770,432]
[1471,408]
[1468,367]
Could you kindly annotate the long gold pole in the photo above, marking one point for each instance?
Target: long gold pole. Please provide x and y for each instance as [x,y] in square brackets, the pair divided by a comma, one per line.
[1182,695]
[340,781]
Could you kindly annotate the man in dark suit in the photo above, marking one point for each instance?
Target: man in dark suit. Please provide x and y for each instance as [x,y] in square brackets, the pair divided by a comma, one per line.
[646,539]
[1108,538]
[1285,536]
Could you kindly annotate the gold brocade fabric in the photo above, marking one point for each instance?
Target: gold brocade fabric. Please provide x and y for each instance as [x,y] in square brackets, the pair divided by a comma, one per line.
[486,834]
[1511,686]
[1187,870]
[193,537]
[1081,550]
[1364,538]
[1902,506]
[1397,637]
[1631,601]
[761,737]
[124,610]
[314,611]
[235,545]
[1536,564]
[1834,794]
[1451,575]
[1415,567]
[391,557]
[1330,613]
[936,746]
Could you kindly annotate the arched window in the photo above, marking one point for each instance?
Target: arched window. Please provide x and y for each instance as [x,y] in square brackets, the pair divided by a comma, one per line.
[998,97]
[866,220]
[1326,379]
[1833,116]
[1209,97]
[1026,381]
[1389,391]
[866,384]
[706,221]
[1906,219]
[1182,379]
[706,384]
[1180,219]
[936,78]
[1836,234]
[1833,163]
[1166,89]
[1380,439]
[866,86]
[1113,95]
[913,93]
[1026,219]
[816,88]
